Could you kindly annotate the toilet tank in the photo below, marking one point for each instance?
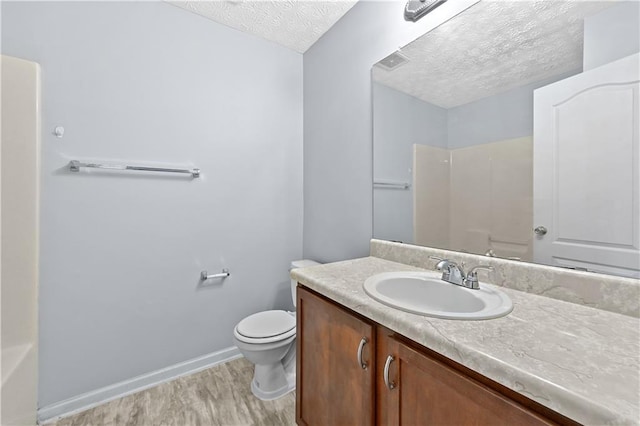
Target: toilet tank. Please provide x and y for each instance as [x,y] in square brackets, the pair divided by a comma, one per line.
[299,264]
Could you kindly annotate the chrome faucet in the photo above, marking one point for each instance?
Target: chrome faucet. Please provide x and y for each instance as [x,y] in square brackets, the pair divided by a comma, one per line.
[451,271]
[454,274]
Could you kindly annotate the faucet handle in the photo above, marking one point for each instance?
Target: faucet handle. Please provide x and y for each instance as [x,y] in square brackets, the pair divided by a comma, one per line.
[443,265]
[443,262]
[480,268]
[471,280]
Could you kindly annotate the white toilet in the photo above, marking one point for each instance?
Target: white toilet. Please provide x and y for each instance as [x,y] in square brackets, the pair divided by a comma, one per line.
[268,339]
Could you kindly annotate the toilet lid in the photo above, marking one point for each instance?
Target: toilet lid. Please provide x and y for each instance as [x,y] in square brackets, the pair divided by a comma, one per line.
[266,324]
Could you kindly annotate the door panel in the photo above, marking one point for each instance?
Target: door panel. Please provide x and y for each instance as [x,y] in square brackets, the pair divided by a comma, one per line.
[586,178]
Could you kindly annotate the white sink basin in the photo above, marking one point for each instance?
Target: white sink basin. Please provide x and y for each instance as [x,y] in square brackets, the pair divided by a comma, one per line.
[424,293]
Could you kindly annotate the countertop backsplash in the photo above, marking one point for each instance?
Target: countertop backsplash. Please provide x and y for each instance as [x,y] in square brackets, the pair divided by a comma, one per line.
[615,294]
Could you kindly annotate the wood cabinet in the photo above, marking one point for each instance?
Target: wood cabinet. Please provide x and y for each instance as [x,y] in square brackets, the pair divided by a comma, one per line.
[402,383]
[421,390]
[335,369]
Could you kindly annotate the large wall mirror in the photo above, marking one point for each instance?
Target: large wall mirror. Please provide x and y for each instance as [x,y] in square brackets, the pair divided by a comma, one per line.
[512,131]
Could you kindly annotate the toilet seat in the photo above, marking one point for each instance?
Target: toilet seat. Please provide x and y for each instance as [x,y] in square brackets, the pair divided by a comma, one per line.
[266,327]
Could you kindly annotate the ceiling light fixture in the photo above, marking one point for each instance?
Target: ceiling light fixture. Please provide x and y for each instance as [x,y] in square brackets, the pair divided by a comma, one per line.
[416,9]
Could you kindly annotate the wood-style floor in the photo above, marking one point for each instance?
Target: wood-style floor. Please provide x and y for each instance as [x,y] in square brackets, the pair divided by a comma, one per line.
[218,396]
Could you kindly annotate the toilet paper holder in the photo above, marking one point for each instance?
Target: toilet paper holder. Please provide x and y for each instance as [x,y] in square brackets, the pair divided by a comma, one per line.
[224,274]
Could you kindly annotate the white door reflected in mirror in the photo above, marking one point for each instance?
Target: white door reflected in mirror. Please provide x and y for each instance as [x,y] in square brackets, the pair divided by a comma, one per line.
[586,169]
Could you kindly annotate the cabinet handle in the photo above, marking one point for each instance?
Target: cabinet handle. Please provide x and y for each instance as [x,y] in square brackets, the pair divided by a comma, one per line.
[362,363]
[385,375]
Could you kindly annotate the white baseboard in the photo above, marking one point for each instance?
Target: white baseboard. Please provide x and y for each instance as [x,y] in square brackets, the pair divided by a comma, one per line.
[108,393]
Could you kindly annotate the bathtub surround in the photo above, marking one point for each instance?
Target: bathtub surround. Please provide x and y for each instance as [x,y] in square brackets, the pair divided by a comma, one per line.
[431,198]
[490,199]
[21,99]
[120,295]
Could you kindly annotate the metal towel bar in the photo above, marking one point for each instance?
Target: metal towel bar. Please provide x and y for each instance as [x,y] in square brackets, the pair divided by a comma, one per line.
[75,166]
[391,185]
[224,274]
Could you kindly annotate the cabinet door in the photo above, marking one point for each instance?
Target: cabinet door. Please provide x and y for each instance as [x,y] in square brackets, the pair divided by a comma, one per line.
[333,388]
[428,392]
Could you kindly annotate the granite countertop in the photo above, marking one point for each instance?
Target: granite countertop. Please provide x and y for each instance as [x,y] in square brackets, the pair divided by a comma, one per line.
[579,361]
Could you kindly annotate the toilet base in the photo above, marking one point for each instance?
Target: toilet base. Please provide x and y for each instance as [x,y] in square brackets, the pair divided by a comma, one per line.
[272,382]
[270,396]
[275,380]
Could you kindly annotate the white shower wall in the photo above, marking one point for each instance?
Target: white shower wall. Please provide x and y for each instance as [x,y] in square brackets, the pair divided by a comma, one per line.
[121,253]
[475,199]
[431,196]
[491,205]
[19,261]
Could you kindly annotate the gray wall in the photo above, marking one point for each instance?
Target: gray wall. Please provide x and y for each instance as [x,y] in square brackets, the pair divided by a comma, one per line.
[121,253]
[503,116]
[612,34]
[399,121]
[338,122]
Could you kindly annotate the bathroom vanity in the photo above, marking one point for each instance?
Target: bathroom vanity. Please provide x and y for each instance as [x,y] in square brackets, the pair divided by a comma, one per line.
[355,371]
[547,362]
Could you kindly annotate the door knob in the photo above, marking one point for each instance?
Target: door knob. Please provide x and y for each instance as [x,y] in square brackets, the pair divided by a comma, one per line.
[540,230]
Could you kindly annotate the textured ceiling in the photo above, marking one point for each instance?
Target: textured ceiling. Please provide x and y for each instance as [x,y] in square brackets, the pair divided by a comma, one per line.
[295,24]
[492,47]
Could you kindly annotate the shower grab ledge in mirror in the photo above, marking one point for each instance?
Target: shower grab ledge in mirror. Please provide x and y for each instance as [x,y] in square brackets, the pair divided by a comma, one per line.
[75,166]
[386,184]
